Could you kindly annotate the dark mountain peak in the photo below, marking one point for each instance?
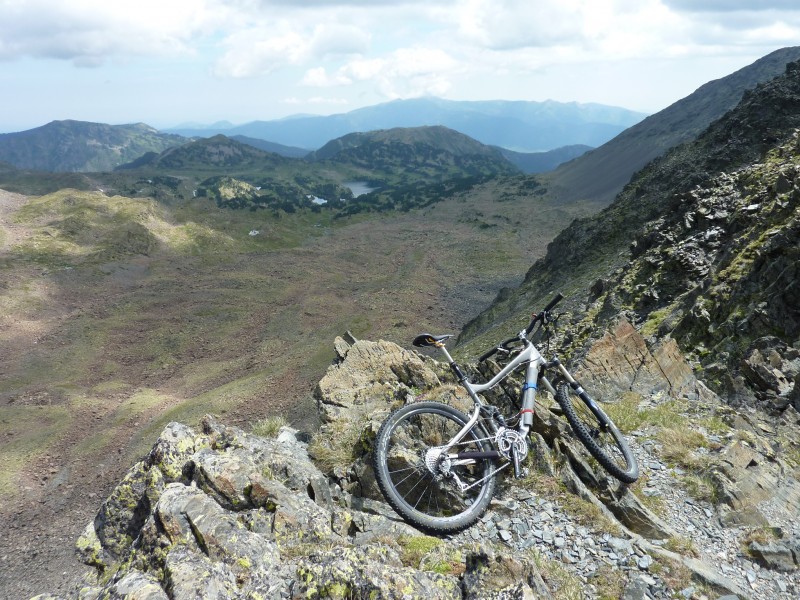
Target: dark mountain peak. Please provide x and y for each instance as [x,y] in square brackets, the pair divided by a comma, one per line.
[70,145]
[766,115]
[288,151]
[407,156]
[436,137]
[208,153]
[599,175]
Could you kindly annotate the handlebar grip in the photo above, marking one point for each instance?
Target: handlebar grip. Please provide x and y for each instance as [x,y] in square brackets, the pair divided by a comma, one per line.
[559,297]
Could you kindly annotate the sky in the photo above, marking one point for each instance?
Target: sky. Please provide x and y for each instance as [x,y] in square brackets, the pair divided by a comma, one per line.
[172,62]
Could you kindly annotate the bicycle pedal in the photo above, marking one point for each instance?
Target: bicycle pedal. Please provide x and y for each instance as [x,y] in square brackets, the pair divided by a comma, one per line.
[523,473]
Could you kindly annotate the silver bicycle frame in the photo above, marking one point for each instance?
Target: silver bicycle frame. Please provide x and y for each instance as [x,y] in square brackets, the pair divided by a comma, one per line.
[529,355]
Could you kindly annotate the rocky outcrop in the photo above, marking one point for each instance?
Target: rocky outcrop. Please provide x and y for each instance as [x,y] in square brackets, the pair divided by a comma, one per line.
[622,361]
[223,514]
[220,513]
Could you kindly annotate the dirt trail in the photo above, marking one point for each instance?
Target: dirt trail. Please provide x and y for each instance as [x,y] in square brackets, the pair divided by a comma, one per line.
[11,232]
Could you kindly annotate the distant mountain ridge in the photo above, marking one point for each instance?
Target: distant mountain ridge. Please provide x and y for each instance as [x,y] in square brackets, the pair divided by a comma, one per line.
[208,153]
[599,175]
[541,162]
[79,146]
[404,154]
[517,125]
[266,146]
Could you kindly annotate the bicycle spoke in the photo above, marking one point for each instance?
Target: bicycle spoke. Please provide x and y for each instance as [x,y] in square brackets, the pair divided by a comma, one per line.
[426,488]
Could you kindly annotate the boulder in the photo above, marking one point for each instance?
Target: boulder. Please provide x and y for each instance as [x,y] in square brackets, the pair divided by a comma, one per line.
[371,376]
[226,514]
[780,555]
[509,577]
[370,572]
[108,538]
[621,361]
[748,479]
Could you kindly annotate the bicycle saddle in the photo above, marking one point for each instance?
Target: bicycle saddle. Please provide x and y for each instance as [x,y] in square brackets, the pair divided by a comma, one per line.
[426,339]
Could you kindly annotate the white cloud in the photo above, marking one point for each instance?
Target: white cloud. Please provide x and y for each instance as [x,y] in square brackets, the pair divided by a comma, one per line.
[509,24]
[330,39]
[361,69]
[370,50]
[318,77]
[90,31]
[731,5]
[404,73]
[261,49]
[255,51]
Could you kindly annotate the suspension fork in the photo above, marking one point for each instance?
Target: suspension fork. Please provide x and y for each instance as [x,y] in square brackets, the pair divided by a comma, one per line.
[576,387]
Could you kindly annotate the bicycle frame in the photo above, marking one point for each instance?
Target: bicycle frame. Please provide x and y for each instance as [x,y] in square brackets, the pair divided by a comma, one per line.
[535,361]
[529,355]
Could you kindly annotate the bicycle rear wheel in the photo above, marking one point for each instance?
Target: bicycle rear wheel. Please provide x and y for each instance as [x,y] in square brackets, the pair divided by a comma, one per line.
[599,435]
[418,480]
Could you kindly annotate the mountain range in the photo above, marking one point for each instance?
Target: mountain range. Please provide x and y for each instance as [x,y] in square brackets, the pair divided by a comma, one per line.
[520,126]
[75,146]
[601,173]
[204,278]
[68,146]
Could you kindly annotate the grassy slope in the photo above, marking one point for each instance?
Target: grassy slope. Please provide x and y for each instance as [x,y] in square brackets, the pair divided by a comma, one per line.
[121,314]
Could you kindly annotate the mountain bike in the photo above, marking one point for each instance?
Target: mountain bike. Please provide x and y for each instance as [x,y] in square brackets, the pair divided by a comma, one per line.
[437,466]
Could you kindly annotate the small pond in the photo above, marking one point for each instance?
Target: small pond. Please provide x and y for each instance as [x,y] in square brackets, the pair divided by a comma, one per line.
[359,188]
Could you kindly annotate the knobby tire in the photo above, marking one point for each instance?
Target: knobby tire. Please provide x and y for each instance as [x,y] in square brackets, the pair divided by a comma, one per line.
[600,437]
[432,504]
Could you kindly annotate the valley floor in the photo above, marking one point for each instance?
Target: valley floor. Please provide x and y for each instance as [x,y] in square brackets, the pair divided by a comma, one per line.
[100,352]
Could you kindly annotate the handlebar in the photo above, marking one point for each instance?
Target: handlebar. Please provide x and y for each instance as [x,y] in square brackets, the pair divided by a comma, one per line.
[541,316]
[537,318]
[501,346]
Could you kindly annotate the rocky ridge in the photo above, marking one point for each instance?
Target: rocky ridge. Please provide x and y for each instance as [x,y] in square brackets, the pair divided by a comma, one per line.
[216,512]
[713,220]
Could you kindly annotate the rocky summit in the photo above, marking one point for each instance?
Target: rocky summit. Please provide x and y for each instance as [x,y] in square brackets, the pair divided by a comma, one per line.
[216,512]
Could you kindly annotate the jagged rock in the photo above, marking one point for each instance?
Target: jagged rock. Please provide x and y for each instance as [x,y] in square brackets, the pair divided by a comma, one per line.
[372,572]
[228,528]
[195,523]
[764,374]
[295,518]
[136,585]
[621,361]
[171,451]
[225,476]
[630,511]
[122,515]
[636,589]
[193,576]
[508,577]
[747,478]
[794,396]
[354,397]
[371,376]
[780,555]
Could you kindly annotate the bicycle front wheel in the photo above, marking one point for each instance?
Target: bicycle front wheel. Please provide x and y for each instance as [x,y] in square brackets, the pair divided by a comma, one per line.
[599,435]
[420,481]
